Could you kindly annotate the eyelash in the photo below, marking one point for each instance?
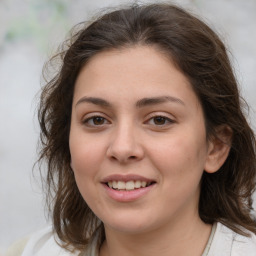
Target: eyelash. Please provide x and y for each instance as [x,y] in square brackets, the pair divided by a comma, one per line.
[92,118]
[167,121]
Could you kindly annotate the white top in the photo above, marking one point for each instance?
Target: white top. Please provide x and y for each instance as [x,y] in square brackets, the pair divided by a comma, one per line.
[224,242]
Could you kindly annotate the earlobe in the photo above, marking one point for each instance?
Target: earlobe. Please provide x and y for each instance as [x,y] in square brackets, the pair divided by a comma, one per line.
[218,149]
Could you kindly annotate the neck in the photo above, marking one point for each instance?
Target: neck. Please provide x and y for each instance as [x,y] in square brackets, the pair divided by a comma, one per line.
[188,238]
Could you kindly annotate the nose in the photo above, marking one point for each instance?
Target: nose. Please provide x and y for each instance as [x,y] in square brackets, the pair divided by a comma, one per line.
[124,146]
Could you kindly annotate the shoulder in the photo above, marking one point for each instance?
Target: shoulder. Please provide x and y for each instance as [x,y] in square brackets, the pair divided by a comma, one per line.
[227,242]
[17,247]
[43,243]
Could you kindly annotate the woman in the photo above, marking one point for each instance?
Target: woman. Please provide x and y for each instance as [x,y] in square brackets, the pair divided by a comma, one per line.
[147,148]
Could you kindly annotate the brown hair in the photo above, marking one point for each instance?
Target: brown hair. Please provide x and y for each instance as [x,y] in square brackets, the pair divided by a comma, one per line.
[226,196]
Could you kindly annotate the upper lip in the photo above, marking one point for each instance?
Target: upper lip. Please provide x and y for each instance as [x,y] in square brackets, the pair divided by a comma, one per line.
[125,178]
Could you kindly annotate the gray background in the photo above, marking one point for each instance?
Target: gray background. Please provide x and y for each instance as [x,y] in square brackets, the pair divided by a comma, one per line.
[29,33]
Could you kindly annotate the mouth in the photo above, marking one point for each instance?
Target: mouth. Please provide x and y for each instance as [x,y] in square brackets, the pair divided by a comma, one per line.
[128,185]
[127,188]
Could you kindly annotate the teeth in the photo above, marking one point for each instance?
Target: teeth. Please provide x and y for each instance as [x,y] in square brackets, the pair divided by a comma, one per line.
[137,184]
[121,185]
[129,185]
[143,184]
[115,184]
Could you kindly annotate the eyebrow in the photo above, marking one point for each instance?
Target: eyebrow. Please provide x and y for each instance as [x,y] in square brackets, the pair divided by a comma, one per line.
[94,100]
[158,100]
[141,103]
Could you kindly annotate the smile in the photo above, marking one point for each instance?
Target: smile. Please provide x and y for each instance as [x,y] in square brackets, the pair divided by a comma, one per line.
[127,188]
[129,185]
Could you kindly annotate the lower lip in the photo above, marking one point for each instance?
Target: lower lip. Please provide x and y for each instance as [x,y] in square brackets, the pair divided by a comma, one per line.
[127,195]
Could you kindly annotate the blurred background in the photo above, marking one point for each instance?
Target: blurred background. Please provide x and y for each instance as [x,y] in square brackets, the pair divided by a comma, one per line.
[30,31]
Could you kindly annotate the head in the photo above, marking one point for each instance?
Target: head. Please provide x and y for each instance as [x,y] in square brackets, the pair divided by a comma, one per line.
[200,56]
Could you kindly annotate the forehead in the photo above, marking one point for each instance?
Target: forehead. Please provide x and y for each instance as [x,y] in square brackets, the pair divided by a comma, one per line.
[142,70]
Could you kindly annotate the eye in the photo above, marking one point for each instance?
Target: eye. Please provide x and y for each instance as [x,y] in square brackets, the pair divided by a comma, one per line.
[95,121]
[160,120]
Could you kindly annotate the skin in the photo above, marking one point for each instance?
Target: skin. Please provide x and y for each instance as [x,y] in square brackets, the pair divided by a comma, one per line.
[127,138]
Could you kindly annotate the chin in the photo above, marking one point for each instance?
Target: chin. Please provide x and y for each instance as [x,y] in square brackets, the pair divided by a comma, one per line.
[128,229]
[130,225]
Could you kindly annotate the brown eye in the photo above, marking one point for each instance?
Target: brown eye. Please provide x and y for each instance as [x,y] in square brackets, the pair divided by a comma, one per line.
[97,120]
[159,120]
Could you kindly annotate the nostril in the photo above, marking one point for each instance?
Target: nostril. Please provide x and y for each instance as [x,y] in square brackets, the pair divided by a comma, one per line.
[113,158]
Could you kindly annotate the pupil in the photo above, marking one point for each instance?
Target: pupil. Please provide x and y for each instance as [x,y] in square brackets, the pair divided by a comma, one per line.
[98,120]
[159,120]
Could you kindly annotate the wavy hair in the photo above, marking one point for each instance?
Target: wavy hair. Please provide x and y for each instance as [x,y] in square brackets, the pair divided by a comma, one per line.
[198,52]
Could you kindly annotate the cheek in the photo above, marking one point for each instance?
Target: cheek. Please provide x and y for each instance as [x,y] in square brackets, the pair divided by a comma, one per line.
[86,156]
[181,166]
[180,156]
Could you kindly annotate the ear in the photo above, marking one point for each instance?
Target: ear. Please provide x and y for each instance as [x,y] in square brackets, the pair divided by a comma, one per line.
[218,149]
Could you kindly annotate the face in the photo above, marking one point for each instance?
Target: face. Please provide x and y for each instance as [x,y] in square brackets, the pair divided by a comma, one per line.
[137,140]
